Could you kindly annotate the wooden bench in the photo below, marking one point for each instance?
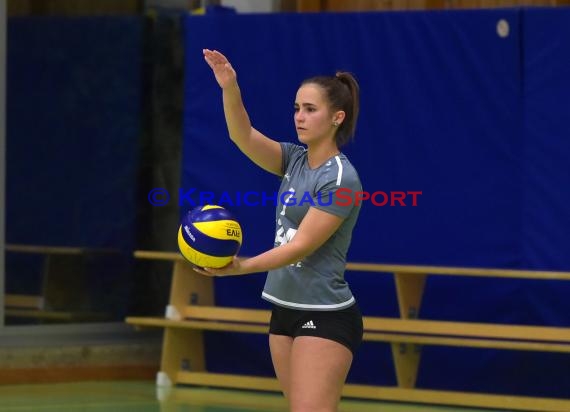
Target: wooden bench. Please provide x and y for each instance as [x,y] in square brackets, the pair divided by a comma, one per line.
[191,311]
[61,286]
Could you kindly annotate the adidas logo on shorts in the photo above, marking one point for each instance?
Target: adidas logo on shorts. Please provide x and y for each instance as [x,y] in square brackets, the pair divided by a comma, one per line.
[309,325]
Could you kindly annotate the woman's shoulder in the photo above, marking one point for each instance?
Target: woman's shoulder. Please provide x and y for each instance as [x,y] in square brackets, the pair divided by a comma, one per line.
[292,154]
[347,166]
[291,148]
[339,171]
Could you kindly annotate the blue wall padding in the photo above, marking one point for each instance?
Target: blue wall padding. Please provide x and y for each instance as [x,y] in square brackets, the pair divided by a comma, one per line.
[546,107]
[476,121]
[73,126]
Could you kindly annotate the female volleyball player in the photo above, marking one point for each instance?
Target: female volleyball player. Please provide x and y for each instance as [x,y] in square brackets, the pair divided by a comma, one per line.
[316,325]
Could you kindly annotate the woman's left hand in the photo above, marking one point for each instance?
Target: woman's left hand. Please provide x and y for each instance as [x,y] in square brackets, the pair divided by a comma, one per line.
[234,268]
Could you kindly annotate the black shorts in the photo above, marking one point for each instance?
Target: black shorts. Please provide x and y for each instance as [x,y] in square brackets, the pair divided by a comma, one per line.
[343,326]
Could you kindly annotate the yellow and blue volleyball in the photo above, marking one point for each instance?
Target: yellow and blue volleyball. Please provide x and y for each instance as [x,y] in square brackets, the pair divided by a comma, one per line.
[209,236]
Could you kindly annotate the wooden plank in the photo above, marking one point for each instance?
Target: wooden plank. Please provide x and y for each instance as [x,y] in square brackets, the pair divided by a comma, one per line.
[424,4]
[56,250]
[398,268]
[158,255]
[24,301]
[435,4]
[360,5]
[467,342]
[387,393]
[45,250]
[459,271]
[468,329]
[155,322]
[228,314]
[39,314]
[412,326]
[197,324]
[51,315]
[408,326]
[368,336]
[309,6]
[84,7]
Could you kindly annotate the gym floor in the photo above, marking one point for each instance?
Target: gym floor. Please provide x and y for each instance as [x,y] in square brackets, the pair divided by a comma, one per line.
[144,396]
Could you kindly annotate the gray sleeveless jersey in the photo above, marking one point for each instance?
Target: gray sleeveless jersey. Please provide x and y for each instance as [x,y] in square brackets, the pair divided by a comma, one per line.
[317,282]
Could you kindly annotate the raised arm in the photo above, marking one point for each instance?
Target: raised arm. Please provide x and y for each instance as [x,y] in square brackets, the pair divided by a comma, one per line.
[262,150]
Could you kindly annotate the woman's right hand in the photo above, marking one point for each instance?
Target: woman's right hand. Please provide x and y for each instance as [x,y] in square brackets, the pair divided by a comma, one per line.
[225,74]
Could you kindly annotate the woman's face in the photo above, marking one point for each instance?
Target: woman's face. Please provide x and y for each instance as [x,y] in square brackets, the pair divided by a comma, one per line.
[313,117]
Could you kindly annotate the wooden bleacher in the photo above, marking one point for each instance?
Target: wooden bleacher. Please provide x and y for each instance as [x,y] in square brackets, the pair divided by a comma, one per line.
[191,310]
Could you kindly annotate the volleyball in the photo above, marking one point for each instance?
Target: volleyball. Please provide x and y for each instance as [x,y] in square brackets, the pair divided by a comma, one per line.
[209,236]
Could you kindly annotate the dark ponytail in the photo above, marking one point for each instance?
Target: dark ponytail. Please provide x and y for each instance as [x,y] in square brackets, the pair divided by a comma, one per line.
[343,93]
